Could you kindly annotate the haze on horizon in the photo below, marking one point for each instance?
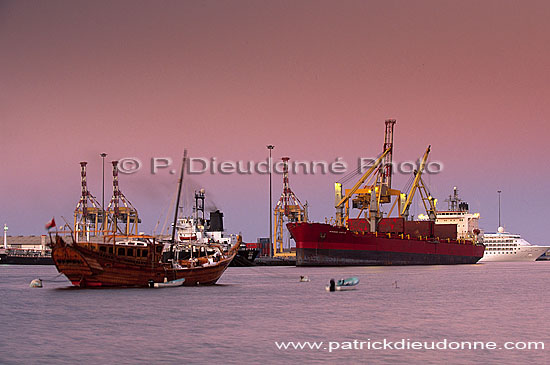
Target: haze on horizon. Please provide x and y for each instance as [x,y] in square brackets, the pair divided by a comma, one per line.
[315,79]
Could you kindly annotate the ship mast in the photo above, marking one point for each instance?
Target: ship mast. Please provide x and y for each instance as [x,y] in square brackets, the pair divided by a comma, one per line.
[180,183]
[453,201]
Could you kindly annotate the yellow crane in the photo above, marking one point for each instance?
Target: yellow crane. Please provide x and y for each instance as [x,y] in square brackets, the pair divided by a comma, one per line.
[376,190]
[427,200]
[365,197]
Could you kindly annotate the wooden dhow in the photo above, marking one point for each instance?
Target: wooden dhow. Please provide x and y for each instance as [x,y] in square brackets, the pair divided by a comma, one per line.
[103,248]
[136,261]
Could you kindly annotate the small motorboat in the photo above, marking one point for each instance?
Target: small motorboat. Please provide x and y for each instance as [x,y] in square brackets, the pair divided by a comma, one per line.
[348,282]
[304,279]
[167,284]
[342,284]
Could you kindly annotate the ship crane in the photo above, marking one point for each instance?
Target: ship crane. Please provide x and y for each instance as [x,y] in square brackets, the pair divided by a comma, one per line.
[288,208]
[342,202]
[427,200]
[376,179]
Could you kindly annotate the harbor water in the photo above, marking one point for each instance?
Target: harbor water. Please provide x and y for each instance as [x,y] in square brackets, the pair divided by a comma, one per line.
[254,311]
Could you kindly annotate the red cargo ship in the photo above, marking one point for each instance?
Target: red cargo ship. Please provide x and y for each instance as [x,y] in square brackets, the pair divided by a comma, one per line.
[374,240]
[320,244]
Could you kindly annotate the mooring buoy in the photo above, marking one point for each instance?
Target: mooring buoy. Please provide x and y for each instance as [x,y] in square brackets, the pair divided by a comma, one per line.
[36,283]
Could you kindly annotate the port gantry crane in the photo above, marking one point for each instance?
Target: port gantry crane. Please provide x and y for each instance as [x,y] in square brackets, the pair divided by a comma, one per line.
[88,217]
[289,207]
[120,216]
[374,188]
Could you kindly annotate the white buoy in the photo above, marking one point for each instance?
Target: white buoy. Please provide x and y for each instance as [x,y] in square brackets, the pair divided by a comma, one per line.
[36,283]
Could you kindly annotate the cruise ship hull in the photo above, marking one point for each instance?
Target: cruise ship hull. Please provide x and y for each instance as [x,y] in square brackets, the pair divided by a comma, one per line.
[523,253]
[319,244]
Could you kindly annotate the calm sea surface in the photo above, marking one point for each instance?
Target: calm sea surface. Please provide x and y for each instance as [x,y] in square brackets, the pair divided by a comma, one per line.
[240,319]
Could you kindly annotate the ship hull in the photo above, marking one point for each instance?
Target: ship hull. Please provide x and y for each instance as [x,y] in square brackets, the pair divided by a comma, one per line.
[10,259]
[245,258]
[320,244]
[87,268]
[523,253]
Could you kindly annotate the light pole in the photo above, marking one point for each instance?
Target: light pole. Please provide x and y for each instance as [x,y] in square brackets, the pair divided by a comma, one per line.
[103,155]
[5,236]
[270,147]
[499,191]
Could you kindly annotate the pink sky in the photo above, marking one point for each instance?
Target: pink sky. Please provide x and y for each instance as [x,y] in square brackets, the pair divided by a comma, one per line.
[316,79]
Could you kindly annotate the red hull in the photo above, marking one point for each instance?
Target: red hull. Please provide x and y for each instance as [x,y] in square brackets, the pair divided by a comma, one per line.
[320,244]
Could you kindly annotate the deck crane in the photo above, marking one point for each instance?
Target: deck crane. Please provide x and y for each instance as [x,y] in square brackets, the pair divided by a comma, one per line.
[288,208]
[376,179]
[427,200]
[342,202]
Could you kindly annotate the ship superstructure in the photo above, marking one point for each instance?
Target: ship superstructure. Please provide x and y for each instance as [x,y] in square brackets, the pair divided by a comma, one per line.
[467,224]
[196,229]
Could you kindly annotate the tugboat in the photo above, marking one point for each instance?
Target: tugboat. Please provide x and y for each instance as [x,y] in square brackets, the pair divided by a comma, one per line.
[105,250]
[208,231]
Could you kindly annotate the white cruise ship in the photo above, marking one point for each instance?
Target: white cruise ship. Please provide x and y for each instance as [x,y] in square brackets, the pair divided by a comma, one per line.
[500,246]
[503,246]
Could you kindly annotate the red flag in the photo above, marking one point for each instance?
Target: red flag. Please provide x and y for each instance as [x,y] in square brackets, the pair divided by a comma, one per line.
[50,224]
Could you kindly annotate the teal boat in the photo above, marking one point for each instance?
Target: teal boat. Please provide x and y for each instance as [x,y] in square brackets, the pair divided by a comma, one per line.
[342,284]
[348,282]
